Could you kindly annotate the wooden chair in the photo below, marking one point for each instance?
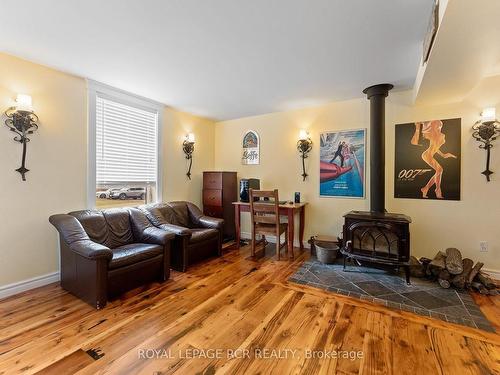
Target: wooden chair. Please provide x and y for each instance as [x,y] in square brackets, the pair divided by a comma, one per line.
[266,219]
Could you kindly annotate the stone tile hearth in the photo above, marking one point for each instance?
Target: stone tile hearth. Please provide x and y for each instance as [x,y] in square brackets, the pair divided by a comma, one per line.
[422,297]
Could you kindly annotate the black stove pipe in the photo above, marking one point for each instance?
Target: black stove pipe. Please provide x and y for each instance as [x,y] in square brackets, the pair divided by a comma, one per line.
[376,95]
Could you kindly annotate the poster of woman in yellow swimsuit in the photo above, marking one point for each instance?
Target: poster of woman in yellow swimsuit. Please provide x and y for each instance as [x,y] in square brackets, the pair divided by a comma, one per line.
[427,164]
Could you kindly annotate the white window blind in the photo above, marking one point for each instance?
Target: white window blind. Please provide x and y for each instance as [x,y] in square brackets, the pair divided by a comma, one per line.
[126,142]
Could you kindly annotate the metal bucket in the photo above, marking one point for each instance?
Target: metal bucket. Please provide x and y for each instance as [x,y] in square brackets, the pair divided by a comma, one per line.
[326,248]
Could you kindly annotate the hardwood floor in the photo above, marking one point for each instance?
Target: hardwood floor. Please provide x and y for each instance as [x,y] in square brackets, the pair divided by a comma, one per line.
[234,303]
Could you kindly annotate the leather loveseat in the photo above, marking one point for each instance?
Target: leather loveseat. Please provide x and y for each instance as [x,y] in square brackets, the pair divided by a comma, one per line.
[197,237]
[105,252]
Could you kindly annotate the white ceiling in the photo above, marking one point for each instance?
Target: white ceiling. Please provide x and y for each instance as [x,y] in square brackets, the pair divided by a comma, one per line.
[224,58]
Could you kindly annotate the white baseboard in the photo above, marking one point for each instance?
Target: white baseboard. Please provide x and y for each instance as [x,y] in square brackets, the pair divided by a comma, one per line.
[248,236]
[22,286]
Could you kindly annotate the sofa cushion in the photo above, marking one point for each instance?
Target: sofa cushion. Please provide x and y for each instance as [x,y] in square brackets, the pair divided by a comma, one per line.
[200,235]
[110,227]
[120,230]
[132,253]
[157,214]
[94,224]
[180,214]
[166,213]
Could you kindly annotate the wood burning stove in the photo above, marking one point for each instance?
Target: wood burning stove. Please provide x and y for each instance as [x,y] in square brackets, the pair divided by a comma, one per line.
[377,236]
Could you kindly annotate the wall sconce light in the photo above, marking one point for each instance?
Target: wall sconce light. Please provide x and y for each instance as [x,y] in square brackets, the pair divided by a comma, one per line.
[304,145]
[188,148]
[486,130]
[22,121]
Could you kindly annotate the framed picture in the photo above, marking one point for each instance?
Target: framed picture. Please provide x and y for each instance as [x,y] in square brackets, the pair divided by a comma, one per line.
[427,160]
[342,164]
[251,148]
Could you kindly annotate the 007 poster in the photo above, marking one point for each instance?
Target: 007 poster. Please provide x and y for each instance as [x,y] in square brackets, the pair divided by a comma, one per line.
[427,160]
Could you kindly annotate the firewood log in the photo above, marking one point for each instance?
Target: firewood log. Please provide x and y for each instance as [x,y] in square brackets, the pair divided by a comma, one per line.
[454,261]
[486,280]
[444,283]
[425,265]
[416,269]
[474,272]
[479,287]
[425,261]
[444,275]
[437,264]
[493,292]
[459,280]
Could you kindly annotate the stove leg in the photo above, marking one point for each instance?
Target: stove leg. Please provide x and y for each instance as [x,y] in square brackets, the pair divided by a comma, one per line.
[344,262]
[407,274]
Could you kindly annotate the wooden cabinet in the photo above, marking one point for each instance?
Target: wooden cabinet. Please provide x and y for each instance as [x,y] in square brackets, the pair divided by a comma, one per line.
[220,190]
[213,180]
[212,197]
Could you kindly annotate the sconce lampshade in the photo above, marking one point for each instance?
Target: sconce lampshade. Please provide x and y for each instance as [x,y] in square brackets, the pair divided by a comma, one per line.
[190,138]
[488,114]
[24,103]
[303,135]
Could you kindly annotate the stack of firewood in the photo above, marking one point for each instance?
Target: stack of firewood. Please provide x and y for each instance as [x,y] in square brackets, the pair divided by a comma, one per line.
[449,269]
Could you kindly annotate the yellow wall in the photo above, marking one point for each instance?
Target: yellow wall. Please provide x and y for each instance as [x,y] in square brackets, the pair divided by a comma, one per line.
[176,185]
[57,159]
[436,224]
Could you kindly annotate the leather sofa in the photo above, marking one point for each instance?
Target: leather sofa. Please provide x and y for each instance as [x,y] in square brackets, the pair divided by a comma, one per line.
[105,252]
[197,237]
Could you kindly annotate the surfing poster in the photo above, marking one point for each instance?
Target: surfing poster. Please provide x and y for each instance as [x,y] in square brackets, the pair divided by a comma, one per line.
[427,160]
[342,164]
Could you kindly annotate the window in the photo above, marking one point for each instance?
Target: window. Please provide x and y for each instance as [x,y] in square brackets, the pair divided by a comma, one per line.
[123,148]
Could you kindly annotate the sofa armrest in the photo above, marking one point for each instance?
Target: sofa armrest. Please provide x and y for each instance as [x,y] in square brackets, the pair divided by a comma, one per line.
[91,250]
[156,236]
[146,232]
[152,213]
[177,230]
[210,222]
[77,239]
[202,221]
[69,228]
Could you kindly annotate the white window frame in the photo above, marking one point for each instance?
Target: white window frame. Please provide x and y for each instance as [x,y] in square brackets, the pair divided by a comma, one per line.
[95,89]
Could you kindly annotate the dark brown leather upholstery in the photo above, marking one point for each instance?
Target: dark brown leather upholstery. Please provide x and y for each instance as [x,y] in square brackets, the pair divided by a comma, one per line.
[200,235]
[104,253]
[197,237]
[132,253]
